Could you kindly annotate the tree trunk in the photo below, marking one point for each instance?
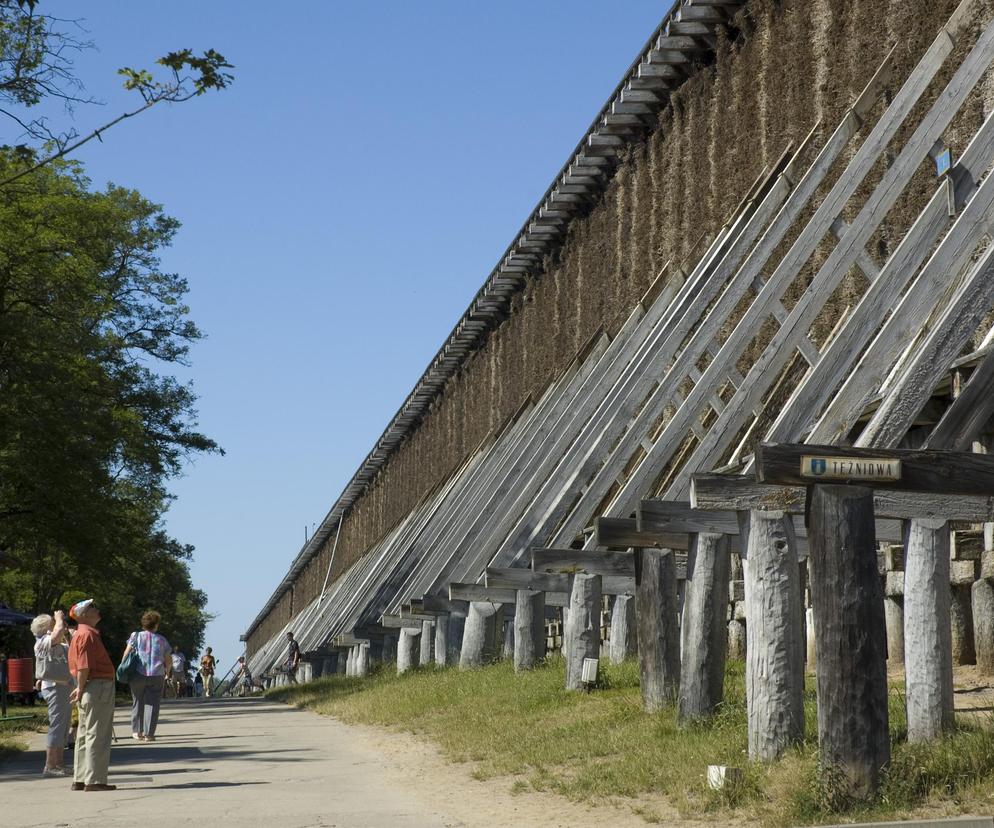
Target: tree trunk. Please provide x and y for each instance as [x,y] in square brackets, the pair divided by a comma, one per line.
[529,629]
[656,620]
[408,650]
[705,638]
[480,634]
[928,653]
[775,648]
[983,624]
[622,643]
[583,625]
[851,636]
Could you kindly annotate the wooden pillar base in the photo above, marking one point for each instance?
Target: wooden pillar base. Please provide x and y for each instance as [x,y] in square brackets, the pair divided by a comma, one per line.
[427,643]
[583,635]
[983,624]
[408,650]
[529,629]
[775,650]
[623,641]
[480,634]
[894,617]
[854,744]
[656,611]
[705,639]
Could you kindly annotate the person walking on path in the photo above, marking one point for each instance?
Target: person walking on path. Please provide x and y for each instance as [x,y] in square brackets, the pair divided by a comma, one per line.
[52,672]
[90,665]
[207,665]
[155,655]
[243,678]
[179,673]
[292,659]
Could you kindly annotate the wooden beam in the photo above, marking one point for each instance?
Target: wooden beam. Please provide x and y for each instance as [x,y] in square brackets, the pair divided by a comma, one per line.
[583,560]
[399,623]
[478,592]
[554,582]
[738,493]
[942,472]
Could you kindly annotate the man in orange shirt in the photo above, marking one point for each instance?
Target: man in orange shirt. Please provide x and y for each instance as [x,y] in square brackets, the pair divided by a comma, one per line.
[91,666]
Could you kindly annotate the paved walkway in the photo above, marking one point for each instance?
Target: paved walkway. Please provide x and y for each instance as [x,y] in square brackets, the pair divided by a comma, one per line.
[246,762]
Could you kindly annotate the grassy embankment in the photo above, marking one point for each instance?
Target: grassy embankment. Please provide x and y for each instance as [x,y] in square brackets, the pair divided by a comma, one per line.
[13,733]
[602,747]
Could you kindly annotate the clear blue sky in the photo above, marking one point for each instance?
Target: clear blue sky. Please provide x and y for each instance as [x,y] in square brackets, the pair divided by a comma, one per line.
[341,204]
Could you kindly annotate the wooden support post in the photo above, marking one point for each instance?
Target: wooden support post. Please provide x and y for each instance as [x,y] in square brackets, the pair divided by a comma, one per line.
[811,656]
[961,623]
[407,650]
[622,644]
[507,648]
[736,640]
[441,641]
[851,637]
[427,643]
[927,637]
[479,635]
[894,618]
[983,624]
[389,648]
[362,661]
[705,639]
[529,629]
[656,619]
[341,662]
[348,662]
[775,650]
[583,626]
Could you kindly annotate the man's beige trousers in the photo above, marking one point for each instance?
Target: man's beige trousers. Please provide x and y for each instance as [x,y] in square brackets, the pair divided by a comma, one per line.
[96,726]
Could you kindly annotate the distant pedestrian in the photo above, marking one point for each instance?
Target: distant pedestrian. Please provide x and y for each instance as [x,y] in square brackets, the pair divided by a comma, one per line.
[292,659]
[52,672]
[90,665]
[243,678]
[207,666]
[179,673]
[155,656]
[198,685]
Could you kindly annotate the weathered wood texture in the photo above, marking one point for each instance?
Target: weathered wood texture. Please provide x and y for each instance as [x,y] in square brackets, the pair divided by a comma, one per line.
[705,637]
[623,642]
[553,581]
[739,493]
[656,611]
[775,649]
[448,638]
[583,627]
[389,649]
[362,661]
[894,618]
[593,561]
[737,639]
[529,629]
[479,643]
[427,643]
[921,470]
[983,624]
[927,638]
[851,637]
[504,595]
[507,639]
[970,412]
[961,623]
[408,649]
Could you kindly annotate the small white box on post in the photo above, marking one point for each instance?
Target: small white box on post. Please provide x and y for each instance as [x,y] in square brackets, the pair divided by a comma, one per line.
[588,674]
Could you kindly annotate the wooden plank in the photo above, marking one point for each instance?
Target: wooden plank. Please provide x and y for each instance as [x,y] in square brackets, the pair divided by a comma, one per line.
[943,472]
[738,493]
[478,592]
[553,581]
[583,560]
[967,417]
[399,623]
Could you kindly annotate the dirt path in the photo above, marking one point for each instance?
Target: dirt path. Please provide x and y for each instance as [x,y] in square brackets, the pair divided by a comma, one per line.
[256,763]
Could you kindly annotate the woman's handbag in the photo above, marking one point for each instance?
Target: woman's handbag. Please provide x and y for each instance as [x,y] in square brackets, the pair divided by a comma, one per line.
[53,667]
[129,666]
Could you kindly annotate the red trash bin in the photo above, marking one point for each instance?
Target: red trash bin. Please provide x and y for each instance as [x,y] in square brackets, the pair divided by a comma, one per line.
[20,675]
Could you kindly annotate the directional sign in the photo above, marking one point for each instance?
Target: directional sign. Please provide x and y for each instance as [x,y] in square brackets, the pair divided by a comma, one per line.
[850,468]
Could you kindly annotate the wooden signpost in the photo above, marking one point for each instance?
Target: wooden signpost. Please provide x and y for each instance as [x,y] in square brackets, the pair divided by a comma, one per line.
[847,596]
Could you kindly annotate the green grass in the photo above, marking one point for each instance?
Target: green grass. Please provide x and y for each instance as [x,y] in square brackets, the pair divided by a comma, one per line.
[13,734]
[602,747]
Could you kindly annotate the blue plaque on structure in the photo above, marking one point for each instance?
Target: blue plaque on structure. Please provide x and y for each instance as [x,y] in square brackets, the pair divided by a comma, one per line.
[944,162]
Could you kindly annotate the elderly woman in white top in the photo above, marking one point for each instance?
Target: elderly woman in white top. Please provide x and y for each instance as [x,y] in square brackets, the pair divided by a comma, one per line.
[52,669]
